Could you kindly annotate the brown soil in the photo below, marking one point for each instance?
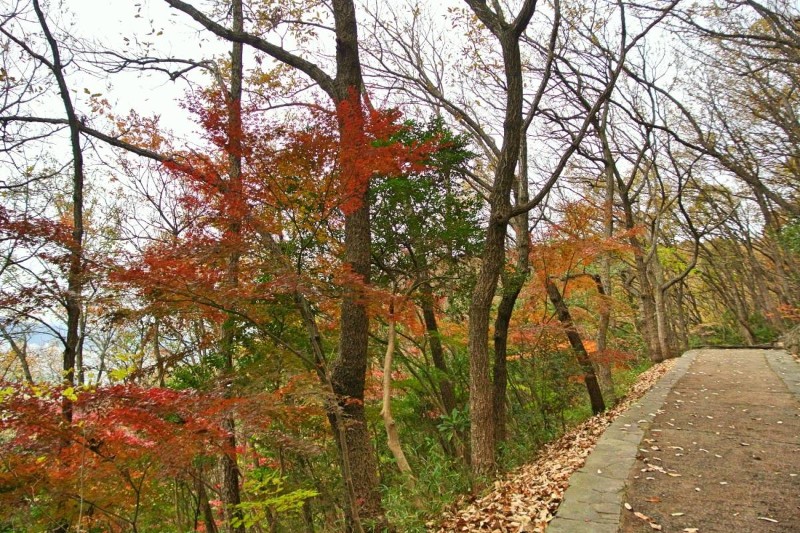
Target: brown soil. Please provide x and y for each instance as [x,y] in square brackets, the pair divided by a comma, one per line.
[723,454]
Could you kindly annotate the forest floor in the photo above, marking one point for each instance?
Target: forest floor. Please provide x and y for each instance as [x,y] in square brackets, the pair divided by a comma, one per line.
[714,447]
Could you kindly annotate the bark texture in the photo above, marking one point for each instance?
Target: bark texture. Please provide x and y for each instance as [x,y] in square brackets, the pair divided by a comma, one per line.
[75,274]
[348,373]
[481,402]
[231,494]
[392,436]
[562,311]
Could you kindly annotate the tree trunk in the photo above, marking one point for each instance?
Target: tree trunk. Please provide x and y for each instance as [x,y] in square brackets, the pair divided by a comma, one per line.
[649,325]
[204,508]
[511,289]
[602,364]
[648,311]
[592,387]
[512,285]
[160,368]
[446,390]
[665,341]
[481,402]
[604,283]
[683,323]
[231,494]
[72,298]
[480,385]
[80,376]
[348,373]
[392,436]
[21,352]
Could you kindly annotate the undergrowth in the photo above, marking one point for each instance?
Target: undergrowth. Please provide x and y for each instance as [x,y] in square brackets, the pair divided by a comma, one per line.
[440,481]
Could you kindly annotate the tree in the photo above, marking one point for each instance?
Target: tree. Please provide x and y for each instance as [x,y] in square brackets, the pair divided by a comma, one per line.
[72,297]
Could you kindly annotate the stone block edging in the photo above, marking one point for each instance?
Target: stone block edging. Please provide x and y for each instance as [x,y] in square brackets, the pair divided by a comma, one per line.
[787,368]
[593,501]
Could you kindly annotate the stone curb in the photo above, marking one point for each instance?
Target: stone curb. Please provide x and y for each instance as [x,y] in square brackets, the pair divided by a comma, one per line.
[593,500]
[787,368]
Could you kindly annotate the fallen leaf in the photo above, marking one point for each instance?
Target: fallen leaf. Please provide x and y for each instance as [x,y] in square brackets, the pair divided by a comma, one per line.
[655,526]
[641,516]
[677,514]
[653,499]
[628,506]
[765,519]
[529,496]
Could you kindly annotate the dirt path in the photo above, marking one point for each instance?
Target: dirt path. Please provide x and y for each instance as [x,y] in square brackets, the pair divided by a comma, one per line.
[723,452]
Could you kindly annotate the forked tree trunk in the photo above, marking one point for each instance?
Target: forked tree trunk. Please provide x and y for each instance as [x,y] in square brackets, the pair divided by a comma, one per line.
[481,403]
[664,328]
[512,286]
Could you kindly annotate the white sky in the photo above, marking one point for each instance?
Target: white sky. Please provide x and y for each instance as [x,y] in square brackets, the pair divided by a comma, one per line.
[117,24]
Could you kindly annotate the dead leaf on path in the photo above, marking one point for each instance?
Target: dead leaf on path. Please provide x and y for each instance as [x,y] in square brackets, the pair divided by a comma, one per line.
[655,526]
[628,506]
[641,516]
[765,519]
[677,514]
[653,499]
[690,530]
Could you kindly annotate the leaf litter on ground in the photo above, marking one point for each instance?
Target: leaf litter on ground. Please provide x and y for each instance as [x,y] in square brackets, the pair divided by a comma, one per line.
[527,498]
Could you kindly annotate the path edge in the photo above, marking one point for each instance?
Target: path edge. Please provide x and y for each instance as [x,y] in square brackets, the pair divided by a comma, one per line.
[786,367]
[593,500]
